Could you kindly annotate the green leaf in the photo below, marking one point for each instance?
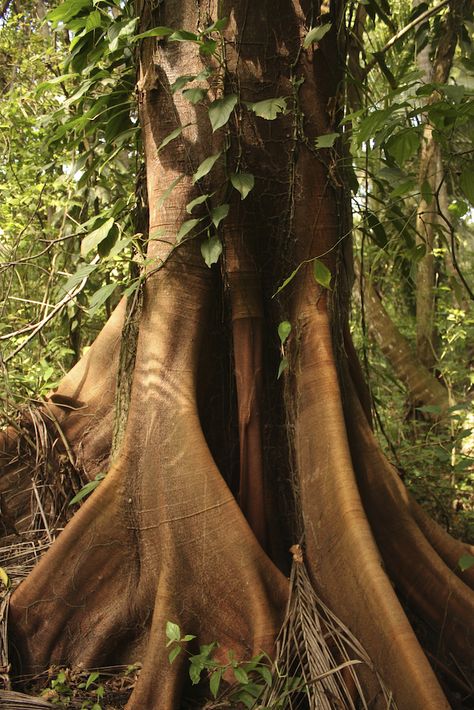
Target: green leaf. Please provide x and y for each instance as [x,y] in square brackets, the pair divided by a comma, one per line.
[120,30]
[240,675]
[186,227]
[405,187]
[284,329]
[94,20]
[427,192]
[458,208]
[132,288]
[220,111]
[286,281]
[316,34]
[282,367]
[206,167]
[188,637]
[211,249]
[184,36]
[100,297]
[195,673]
[216,26]
[215,682]
[327,140]
[403,145]
[92,240]
[82,272]
[243,182]
[119,246]
[466,183]
[321,273]
[219,213]
[206,649]
[197,201]
[155,32]
[266,675]
[181,81]
[194,95]
[91,679]
[171,136]
[174,653]
[67,10]
[52,82]
[371,124]
[106,244]
[168,191]
[465,562]
[209,46]
[173,632]
[269,108]
[377,231]
[87,489]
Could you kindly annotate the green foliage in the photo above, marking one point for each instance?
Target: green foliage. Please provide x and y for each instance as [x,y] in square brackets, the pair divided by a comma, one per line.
[321,273]
[221,109]
[243,182]
[316,34]
[466,562]
[72,130]
[269,108]
[385,133]
[230,681]
[87,489]
[83,690]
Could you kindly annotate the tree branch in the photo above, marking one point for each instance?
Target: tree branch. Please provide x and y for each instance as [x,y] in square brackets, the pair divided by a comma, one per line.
[4,8]
[424,16]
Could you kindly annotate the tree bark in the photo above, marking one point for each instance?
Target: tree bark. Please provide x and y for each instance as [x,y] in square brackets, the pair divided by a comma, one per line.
[163,538]
[422,386]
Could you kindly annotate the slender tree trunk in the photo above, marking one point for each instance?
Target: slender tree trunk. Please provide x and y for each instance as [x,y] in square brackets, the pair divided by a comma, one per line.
[422,386]
[430,180]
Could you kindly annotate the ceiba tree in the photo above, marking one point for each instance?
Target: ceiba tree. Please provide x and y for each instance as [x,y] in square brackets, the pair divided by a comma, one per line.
[221,466]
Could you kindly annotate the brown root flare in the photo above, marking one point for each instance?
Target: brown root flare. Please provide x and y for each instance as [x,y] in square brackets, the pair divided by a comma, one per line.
[79,415]
[419,572]
[162,539]
[343,560]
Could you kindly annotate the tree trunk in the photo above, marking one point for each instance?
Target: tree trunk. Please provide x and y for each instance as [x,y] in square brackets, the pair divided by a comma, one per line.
[422,386]
[430,180]
[164,537]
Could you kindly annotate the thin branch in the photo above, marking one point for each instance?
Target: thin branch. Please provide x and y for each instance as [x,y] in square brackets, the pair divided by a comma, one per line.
[452,236]
[57,308]
[421,18]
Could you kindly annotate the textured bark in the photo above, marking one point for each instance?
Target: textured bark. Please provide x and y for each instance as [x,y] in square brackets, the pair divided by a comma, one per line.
[163,538]
[422,386]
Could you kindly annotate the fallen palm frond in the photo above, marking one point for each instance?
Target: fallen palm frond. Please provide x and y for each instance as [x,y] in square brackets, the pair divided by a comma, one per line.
[38,483]
[11,700]
[39,479]
[317,656]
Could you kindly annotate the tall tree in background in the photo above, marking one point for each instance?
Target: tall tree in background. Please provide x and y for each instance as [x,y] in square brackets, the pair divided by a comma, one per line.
[232,119]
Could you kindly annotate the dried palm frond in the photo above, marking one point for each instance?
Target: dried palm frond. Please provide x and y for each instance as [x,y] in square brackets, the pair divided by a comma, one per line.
[317,656]
[11,700]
